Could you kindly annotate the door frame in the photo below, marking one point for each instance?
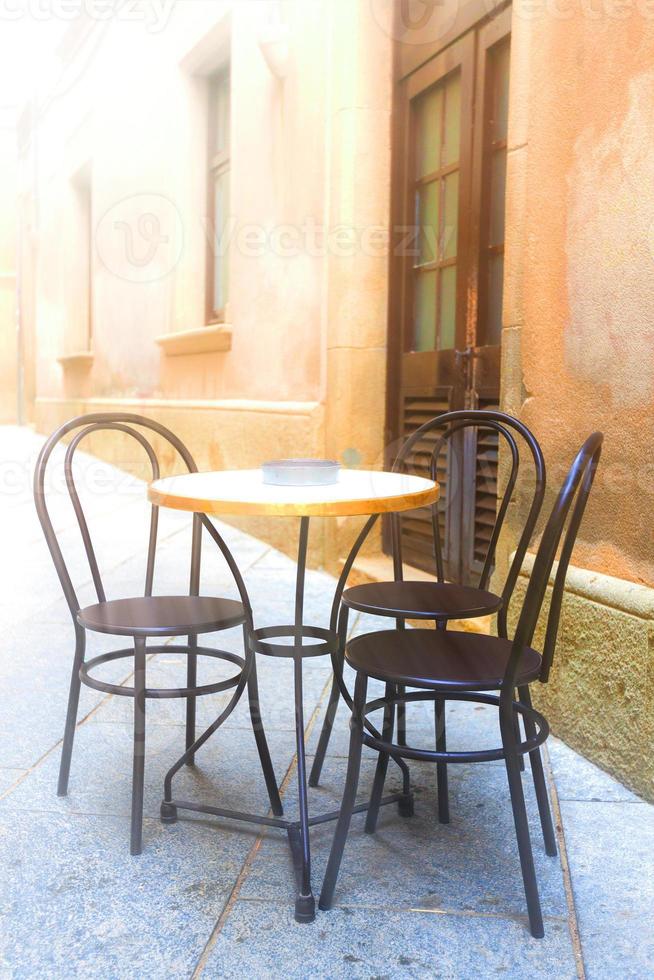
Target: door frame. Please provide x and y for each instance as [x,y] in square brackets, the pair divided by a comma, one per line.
[488,35]
[479,32]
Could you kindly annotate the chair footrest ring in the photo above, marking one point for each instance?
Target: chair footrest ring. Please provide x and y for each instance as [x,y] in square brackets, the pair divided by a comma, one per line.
[164,692]
[328,641]
[431,755]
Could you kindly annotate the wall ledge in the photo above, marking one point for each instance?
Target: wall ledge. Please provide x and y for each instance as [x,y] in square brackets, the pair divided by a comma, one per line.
[379,568]
[212,405]
[79,358]
[201,340]
[616,593]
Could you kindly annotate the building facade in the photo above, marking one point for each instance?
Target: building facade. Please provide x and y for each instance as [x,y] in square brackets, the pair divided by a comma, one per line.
[9,363]
[301,228]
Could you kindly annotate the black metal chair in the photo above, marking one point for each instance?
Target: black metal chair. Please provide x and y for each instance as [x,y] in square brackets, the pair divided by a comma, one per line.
[467,667]
[148,616]
[441,601]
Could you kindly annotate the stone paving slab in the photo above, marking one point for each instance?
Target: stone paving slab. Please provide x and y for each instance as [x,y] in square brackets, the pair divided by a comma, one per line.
[374,943]
[74,904]
[9,777]
[610,849]
[35,676]
[100,779]
[470,864]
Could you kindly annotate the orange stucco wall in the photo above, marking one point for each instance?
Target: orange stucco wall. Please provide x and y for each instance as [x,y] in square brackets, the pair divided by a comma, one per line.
[579,288]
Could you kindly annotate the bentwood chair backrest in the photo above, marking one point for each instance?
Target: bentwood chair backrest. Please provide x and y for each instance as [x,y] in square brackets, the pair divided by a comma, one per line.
[436,438]
[568,510]
[132,425]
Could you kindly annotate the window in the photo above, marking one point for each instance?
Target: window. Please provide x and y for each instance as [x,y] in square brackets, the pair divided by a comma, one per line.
[218,197]
[80,258]
[446,206]
[437,145]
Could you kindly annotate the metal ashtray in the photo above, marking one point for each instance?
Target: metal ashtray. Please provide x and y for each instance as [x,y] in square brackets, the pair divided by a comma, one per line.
[300,472]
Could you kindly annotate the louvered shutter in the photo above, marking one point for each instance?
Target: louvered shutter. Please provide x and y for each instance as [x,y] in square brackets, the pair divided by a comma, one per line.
[481,510]
[466,519]
[417,537]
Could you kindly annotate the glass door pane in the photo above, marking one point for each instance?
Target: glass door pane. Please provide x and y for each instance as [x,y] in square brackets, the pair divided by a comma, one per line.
[437,141]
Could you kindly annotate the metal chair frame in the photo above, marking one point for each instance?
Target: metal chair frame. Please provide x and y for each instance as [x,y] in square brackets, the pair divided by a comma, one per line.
[568,510]
[452,423]
[131,424]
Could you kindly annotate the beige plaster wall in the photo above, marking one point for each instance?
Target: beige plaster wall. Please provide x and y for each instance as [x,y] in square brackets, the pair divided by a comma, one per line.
[310,172]
[135,115]
[8,253]
[359,153]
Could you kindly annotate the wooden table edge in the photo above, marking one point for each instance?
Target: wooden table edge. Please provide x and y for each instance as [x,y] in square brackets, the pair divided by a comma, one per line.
[336,508]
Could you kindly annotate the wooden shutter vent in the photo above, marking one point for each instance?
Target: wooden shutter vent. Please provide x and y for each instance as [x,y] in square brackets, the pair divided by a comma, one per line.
[485,504]
[417,536]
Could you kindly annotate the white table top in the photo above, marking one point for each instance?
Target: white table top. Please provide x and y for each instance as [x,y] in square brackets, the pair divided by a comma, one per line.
[244,492]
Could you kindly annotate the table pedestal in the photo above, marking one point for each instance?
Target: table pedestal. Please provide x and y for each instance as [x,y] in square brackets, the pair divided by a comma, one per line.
[329,641]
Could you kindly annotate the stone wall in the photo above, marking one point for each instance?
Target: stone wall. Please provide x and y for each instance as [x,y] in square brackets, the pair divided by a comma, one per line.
[600,695]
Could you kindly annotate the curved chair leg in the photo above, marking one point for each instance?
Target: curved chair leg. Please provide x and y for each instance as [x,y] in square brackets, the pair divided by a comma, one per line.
[139,746]
[522,830]
[191,681]
[382,764]
[71,713]
[441,767]
[262,743]
[349,794]
[332,704]
[540,786]
[325,734]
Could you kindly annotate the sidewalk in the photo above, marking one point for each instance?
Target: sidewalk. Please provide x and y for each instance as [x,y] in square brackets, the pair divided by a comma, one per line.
[213,899]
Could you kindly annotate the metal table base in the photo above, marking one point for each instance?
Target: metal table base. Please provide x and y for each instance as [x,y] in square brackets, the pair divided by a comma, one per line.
[265,641]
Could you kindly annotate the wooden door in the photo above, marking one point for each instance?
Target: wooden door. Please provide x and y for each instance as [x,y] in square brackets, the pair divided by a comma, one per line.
[446,282]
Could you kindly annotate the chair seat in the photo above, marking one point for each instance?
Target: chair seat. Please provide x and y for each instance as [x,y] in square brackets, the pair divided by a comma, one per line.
[422,600]
[162,615]
[439,659]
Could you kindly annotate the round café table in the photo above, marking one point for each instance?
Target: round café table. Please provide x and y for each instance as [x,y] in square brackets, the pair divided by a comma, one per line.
[242,492]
